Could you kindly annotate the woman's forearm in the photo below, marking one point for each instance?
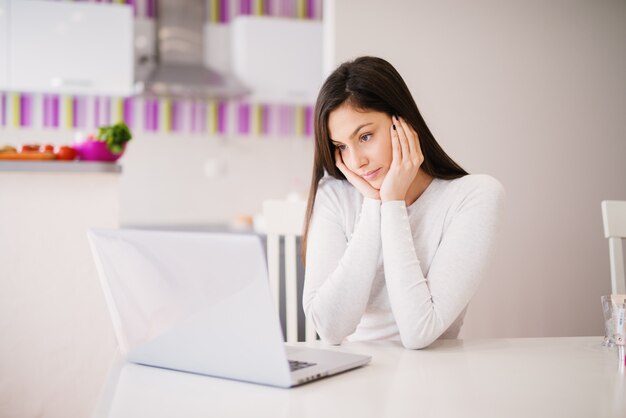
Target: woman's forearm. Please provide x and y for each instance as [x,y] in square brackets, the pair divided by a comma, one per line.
[425,306]
[339,275]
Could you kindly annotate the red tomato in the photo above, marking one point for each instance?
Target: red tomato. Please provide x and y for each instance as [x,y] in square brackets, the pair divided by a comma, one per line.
[47,148]
[29,148]
[66,153]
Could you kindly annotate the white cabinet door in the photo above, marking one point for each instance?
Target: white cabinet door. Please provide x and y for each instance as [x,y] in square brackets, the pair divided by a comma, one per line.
[4,44]
[280,60]
[70,47]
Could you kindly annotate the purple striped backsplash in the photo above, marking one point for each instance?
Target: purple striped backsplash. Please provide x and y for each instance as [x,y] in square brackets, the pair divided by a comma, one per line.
[151,9]
[246,8]
[191,116]
[46,111]
[147,116]
[311,8]
[151,115]
[197,116]
[154,114]
[224,10]
[3,106]
[202,115]
[107,111]
[56,110]
[221,117]
[75,112]
[265,118]
[176,116]
[308,121]
[25,110]
[127,112]
[243,118]
[228,9]
[96,112]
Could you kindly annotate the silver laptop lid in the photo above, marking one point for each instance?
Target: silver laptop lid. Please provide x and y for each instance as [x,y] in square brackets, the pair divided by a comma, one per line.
[196,302]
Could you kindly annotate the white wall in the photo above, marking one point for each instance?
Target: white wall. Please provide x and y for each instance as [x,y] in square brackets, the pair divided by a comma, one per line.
[533,93]
[166,181]
[166,178]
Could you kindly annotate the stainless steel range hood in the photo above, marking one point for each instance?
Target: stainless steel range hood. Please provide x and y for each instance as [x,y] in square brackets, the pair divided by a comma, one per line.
[179,70]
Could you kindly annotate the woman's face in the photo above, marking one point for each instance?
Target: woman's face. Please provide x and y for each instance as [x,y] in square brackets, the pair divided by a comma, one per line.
[363,138]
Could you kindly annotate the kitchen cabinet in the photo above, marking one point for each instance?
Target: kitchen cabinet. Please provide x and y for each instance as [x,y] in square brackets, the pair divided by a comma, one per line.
[4,44]
[68,47]
[279,60]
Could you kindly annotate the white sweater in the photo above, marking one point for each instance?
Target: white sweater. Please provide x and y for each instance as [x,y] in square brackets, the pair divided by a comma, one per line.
[387,272]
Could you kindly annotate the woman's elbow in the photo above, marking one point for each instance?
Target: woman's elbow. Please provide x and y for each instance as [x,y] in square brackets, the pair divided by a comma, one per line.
[329,335]
[331,340]
[326,328]
[418,340]
[416,344]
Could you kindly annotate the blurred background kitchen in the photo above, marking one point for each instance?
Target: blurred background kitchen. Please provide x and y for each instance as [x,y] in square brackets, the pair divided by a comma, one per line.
[219,96]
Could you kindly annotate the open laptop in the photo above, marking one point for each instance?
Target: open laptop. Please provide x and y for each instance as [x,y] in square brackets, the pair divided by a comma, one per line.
[201,303]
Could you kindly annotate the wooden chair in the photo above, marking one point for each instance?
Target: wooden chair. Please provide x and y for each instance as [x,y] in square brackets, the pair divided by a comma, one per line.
[285,218]
[614,219]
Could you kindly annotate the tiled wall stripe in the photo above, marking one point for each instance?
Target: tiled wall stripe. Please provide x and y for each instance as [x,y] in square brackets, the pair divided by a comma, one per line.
[223,11]
[243,117]
[154,115]
[3,105]
[73,112]
[128,112]
[164,114]
[25,110]
[17,110]
[50,111]
[151,11]
[308,121]
[67,111]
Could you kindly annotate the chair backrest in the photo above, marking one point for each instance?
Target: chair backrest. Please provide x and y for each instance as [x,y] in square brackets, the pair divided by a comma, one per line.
[614,219]
[286,218]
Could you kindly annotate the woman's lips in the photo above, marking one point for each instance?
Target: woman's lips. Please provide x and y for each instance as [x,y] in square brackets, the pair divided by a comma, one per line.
[371,175]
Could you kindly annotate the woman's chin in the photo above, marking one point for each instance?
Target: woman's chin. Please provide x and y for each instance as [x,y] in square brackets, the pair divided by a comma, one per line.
[375,184]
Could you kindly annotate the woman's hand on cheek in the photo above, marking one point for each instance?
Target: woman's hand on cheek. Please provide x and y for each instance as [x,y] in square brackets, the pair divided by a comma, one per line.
[407,158]
[357,181]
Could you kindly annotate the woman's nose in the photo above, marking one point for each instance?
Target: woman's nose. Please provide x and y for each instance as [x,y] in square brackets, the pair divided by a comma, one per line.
[357,159]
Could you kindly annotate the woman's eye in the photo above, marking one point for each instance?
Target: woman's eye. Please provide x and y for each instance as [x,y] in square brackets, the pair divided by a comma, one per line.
[340,147]
[366,137]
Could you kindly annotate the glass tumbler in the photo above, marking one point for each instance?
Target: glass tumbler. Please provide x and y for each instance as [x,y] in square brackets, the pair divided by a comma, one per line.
[614,310]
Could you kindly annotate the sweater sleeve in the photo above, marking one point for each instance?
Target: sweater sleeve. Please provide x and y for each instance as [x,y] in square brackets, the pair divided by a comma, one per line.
[424,307]
[339,274]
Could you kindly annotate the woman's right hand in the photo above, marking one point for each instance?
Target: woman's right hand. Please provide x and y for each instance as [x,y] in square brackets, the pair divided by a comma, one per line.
[357,181]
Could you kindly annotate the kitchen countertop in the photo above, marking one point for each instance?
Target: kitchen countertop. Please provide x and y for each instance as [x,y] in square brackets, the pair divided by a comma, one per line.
[60,167]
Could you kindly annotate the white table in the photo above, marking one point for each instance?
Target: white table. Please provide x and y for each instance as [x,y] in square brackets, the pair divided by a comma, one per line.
[534,377]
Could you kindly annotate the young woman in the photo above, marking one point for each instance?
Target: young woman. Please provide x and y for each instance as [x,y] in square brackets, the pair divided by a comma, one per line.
[397,235]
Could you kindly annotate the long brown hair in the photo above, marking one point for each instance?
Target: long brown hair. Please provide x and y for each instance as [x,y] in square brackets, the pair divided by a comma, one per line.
[369,83]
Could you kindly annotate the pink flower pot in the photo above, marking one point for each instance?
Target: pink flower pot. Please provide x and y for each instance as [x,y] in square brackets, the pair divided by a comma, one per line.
[90,150]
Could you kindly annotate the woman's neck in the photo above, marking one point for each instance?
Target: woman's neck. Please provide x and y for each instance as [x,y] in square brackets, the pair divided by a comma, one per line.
[420,183]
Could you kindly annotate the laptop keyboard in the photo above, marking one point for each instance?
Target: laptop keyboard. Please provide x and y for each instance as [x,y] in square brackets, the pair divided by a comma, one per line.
[297,365]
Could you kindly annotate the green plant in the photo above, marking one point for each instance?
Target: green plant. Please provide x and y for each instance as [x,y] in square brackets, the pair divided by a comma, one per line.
[115,136]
